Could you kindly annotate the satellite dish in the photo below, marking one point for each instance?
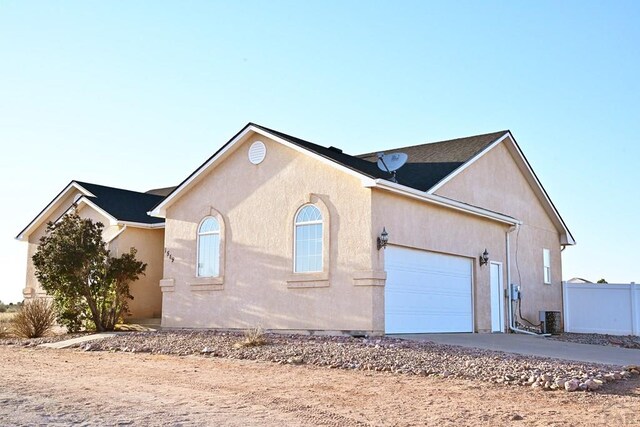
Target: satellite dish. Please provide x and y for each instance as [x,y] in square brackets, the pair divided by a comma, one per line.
[391,163]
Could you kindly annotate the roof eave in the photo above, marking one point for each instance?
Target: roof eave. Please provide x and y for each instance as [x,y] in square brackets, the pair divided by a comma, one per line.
[160,209]
[38,220]
[445,202]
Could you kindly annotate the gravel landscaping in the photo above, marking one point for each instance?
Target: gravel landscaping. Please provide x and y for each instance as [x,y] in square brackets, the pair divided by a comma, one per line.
[626,341]
[376,354]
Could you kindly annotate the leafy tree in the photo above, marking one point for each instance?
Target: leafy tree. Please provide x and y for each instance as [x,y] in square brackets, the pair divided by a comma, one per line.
[602,281]
[73,265]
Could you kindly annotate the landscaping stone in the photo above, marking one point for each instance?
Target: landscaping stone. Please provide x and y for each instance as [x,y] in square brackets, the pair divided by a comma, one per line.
[379,355]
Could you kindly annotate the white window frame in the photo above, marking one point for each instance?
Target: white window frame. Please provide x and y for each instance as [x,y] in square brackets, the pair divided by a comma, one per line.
[208,233]
[546,266]
[297,224]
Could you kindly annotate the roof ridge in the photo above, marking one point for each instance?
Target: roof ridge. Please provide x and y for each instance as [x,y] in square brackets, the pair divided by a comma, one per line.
[84,183]
[500,132]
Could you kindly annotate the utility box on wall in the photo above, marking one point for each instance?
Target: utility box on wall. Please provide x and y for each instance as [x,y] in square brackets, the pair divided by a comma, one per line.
[551,322]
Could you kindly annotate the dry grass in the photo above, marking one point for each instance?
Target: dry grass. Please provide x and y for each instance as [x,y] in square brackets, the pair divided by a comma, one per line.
[253,337]
[35,319]
[5,324]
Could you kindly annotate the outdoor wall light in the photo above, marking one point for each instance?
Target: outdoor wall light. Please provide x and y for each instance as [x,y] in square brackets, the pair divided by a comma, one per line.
[383,239]
[484,258]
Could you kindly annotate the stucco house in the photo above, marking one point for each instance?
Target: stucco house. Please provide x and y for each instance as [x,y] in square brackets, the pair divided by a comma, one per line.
[126,225]
[279,232]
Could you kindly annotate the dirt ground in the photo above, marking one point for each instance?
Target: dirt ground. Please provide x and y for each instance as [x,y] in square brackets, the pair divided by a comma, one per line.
[62,387]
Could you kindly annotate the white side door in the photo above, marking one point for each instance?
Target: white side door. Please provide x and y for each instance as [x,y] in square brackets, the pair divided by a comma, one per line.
[497,300]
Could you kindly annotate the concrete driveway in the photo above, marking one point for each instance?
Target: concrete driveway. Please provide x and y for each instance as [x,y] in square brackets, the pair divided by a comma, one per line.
[535,346]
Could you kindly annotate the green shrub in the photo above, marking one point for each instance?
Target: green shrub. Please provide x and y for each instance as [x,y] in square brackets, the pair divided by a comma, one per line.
[35,319]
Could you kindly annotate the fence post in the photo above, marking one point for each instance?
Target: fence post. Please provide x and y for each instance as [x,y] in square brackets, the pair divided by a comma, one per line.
[565,308]
[635,309]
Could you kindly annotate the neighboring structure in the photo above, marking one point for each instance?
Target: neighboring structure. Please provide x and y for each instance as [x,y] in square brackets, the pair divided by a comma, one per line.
[578,280]
[276,231]
[124,215]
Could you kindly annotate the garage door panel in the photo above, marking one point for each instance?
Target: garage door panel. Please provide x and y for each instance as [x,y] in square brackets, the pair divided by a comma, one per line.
[427,292]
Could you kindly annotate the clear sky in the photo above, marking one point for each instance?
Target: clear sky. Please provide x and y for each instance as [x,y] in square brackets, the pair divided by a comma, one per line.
[138,94]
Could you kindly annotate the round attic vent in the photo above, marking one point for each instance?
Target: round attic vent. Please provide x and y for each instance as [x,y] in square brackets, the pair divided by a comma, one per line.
[257,151]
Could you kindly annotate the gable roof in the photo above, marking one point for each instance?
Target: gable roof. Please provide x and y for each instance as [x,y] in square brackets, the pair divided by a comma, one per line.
[429,166]
[124,206]
[354,163]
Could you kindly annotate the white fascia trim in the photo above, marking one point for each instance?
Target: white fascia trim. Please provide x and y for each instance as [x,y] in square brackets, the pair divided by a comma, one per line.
[116,235]
[38,220]
[468,163]
[112,220]
[569,240]
[141,224]
[445,202]
[366,181]
[160,210]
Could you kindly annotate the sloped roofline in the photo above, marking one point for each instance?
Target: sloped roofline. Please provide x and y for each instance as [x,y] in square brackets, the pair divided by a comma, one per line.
[367,180]
[530,176]
[40,218]
[160,209]
[112,219]
[85,198]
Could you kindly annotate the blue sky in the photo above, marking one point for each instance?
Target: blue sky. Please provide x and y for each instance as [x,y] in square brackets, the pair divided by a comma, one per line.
[104,92]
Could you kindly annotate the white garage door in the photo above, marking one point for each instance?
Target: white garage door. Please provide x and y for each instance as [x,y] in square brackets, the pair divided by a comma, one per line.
[427,292]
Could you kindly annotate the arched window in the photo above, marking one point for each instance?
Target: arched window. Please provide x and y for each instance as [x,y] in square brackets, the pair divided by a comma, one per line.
[308,240]
[209,248]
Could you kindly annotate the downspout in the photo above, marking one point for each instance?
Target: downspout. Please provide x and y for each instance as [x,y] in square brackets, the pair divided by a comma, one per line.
[512,321]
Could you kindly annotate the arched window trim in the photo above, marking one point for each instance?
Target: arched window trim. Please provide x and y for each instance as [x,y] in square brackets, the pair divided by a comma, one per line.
[200,233]
[298,224]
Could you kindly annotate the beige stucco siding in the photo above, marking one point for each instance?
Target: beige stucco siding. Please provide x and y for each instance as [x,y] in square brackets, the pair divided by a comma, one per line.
[147,298]
[257,204]
[425,226]
[149,243]
[32,287]
[495,182]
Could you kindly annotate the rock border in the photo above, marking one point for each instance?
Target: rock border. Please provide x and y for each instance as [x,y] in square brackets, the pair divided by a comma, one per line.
[386,354]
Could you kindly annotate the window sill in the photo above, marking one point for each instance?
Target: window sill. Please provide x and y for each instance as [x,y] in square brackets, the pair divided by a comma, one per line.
[206,284]
[308,280]
[369,278]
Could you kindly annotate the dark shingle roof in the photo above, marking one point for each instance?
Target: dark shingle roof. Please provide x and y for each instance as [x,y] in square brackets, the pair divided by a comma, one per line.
[124,205]
[429,163]
[335,154]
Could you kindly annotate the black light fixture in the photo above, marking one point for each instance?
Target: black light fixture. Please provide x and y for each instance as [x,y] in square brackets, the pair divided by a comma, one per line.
[383,239]
[484,258]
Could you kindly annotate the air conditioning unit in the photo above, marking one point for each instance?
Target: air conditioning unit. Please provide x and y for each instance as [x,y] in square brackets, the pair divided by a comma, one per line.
[551,322]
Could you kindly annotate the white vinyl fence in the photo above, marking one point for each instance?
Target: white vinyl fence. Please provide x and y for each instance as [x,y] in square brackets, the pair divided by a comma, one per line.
[602,308]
